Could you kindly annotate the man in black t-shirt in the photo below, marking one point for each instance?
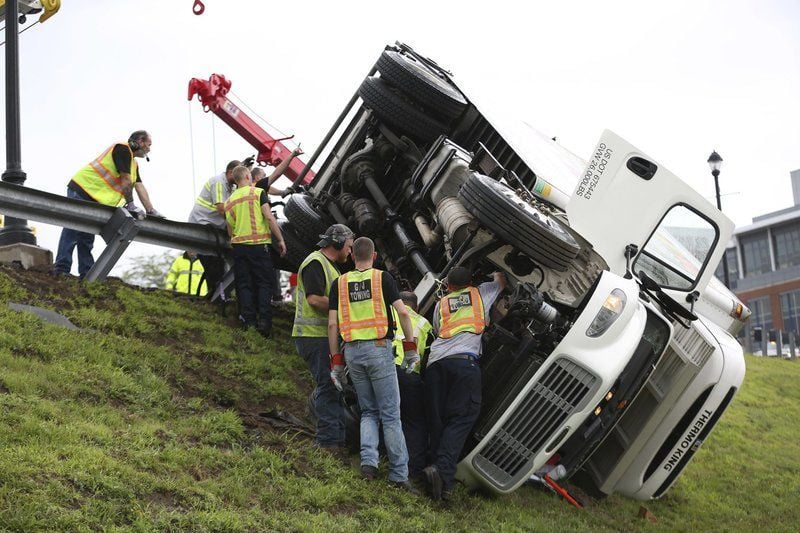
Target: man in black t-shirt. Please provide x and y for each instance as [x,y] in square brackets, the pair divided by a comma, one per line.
[110,179]
[317,273]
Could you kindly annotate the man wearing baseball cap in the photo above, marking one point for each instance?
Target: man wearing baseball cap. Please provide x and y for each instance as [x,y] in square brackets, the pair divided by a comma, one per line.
[316,275]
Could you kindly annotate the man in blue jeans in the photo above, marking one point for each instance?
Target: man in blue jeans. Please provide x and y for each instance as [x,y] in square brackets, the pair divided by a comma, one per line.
[360,310]
[109,179]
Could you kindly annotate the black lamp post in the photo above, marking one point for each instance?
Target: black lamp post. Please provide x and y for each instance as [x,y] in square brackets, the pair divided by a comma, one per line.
[16,230]
[715,162]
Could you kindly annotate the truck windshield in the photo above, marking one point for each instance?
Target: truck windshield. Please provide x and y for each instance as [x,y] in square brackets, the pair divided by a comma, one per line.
[676,252]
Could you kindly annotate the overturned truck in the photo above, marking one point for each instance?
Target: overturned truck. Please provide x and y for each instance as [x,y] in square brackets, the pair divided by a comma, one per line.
[612,352]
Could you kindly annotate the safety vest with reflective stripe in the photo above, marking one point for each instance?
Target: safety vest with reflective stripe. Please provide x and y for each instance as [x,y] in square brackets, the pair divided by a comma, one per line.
[184,276]
[421,327]
[100,178]
[308,322]
[243,213]
[217,192]
[461,311]
[362,311]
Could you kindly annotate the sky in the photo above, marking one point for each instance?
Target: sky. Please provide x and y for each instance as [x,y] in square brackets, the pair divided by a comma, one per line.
[676,79]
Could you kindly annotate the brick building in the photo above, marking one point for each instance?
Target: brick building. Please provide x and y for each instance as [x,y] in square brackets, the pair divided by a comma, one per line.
[764,266]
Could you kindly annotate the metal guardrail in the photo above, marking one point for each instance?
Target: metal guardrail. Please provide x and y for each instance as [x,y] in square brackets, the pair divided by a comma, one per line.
[114,224]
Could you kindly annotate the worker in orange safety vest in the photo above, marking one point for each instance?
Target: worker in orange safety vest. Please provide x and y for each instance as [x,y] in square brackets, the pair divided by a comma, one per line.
[452,375]
[360,304]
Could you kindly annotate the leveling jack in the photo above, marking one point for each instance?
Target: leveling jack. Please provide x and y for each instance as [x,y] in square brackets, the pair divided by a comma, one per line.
[548,482]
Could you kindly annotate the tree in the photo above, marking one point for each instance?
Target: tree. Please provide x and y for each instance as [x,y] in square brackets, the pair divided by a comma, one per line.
[149,270]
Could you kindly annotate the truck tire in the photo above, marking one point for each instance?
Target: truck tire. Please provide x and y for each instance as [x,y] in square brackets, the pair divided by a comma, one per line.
[397,112]
[422,84]
[308,221]
[517,223]
[296,250]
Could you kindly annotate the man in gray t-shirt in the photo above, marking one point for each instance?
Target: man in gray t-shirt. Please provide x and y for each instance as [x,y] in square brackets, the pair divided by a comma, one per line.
[209,209]
[452,375]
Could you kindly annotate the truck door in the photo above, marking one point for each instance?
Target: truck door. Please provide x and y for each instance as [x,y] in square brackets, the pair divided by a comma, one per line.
[625,197]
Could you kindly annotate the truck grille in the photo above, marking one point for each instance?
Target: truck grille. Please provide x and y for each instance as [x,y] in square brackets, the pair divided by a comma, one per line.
[536,419]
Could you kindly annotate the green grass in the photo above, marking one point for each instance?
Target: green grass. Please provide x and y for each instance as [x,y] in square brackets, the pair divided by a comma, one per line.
[147,419]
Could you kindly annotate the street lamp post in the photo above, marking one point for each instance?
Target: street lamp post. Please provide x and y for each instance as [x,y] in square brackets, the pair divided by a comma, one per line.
[16,230]
[715,162]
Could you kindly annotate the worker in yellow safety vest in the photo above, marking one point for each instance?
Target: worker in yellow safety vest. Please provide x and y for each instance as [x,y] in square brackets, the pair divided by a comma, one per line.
[251,227]
[109,179]
[412,390]
[185,276]
[422,330]
[360,313]
[452,375]
[315,277]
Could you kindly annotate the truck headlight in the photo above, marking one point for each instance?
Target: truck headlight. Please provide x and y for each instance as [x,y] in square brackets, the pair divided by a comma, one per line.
[612,308]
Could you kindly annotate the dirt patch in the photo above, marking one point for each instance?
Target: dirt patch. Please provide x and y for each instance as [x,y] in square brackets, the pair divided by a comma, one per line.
[166,499]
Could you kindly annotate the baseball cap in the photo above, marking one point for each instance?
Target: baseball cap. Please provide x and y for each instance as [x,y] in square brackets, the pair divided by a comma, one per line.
[459,277]
[335,234]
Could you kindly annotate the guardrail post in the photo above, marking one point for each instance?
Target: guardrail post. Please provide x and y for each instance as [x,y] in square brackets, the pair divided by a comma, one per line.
[226,281]
[779,343]
[792,347]
[764,341]
[118,234]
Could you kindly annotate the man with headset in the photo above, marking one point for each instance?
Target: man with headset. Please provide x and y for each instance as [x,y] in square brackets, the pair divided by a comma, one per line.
[316,275]
[109,179]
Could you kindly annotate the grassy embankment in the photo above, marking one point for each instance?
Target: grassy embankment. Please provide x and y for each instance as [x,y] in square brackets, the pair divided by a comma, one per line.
[148,418]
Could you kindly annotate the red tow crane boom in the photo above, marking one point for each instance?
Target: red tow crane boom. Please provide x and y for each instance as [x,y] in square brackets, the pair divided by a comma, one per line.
[271,151]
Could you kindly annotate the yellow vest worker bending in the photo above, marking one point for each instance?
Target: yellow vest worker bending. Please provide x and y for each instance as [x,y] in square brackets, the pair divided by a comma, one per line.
[251,227]
[412,391]
[359,310]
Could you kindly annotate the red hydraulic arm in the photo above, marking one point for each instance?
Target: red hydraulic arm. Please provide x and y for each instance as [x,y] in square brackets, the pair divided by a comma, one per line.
[271,151]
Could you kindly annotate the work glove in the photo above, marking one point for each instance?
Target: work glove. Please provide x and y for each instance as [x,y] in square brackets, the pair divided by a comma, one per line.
[155,214]
[410,356]
[248,161]
[337,370]
[135,211]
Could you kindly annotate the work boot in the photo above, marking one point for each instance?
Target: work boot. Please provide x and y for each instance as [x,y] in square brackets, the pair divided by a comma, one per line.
[434,481]
[369,472]
[406,486]
[265,329]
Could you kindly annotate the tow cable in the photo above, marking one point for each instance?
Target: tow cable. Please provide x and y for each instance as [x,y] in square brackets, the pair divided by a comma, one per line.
[198,8]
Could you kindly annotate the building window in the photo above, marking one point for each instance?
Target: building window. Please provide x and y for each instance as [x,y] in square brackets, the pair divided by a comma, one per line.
[762,312]
[787,245]
[755,254]
[733,266]
[790,309]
